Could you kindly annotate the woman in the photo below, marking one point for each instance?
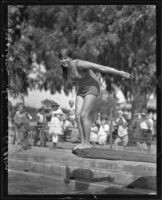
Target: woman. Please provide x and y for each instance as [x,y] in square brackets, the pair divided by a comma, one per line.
[88,90]
[55,128]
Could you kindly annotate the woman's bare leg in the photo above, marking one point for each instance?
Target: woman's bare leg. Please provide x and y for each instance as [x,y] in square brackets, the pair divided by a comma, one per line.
[78,106]
[88,104]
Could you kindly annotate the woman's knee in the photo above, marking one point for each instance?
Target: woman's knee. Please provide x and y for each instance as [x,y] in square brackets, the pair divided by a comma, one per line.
[84,115]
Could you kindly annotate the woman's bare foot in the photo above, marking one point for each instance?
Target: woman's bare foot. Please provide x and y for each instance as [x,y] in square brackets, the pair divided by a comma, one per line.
[85,146]
[77,146]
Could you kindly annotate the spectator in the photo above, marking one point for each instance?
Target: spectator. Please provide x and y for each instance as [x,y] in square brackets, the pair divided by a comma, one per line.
[42,124]
[136,129]
[39,117]
[122,131]
[46,122]
[107,128]
[147,131]
[114,130]
[72,113]
[55,128]
[21,122]
[103,132]
[94,134]
[62,118]
[151,123]
[98,121]
[67,127]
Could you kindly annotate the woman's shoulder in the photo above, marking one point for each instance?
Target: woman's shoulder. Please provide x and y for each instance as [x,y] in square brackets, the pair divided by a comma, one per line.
[75,62]
[80,65]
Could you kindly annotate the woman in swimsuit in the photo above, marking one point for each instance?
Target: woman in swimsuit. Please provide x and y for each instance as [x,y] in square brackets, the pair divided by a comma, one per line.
[88,89]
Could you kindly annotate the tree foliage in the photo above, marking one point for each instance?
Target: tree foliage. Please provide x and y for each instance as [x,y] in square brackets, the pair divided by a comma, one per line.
[119,36]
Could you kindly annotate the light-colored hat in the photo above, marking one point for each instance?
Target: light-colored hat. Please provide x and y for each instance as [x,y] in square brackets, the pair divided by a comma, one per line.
[54,104]
[143,114]
[120,112]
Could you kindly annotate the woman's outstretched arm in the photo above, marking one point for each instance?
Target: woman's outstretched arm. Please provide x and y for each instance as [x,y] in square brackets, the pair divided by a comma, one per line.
[81,64]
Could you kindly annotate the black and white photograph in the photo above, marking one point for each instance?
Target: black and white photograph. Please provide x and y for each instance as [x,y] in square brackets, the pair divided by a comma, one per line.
[83,114]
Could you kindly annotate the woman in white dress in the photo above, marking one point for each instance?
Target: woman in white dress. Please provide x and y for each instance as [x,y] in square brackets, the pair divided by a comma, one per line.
[103,132]
[55,127]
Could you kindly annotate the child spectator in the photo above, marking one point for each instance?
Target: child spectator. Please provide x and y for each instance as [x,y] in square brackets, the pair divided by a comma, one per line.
[55,127]
[21,122]
[122,131]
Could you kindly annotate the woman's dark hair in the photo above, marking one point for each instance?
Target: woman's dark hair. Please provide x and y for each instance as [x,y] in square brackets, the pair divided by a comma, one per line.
[63,53]
[65,75]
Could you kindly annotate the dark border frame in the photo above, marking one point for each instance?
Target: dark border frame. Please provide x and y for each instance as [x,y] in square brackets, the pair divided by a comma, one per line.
[4,102]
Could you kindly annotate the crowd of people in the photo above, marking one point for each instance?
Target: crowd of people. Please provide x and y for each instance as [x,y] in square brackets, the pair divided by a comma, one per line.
[53,125]
[142,129]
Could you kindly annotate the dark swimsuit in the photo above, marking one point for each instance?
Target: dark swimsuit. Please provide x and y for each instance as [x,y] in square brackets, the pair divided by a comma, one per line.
[88,84]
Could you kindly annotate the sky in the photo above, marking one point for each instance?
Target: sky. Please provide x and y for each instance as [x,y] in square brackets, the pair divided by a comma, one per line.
[35,97]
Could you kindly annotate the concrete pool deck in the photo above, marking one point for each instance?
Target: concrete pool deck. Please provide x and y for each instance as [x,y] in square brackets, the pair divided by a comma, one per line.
[96,175]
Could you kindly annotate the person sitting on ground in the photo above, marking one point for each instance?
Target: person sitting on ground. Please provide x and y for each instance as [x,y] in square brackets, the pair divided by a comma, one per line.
[122,131]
